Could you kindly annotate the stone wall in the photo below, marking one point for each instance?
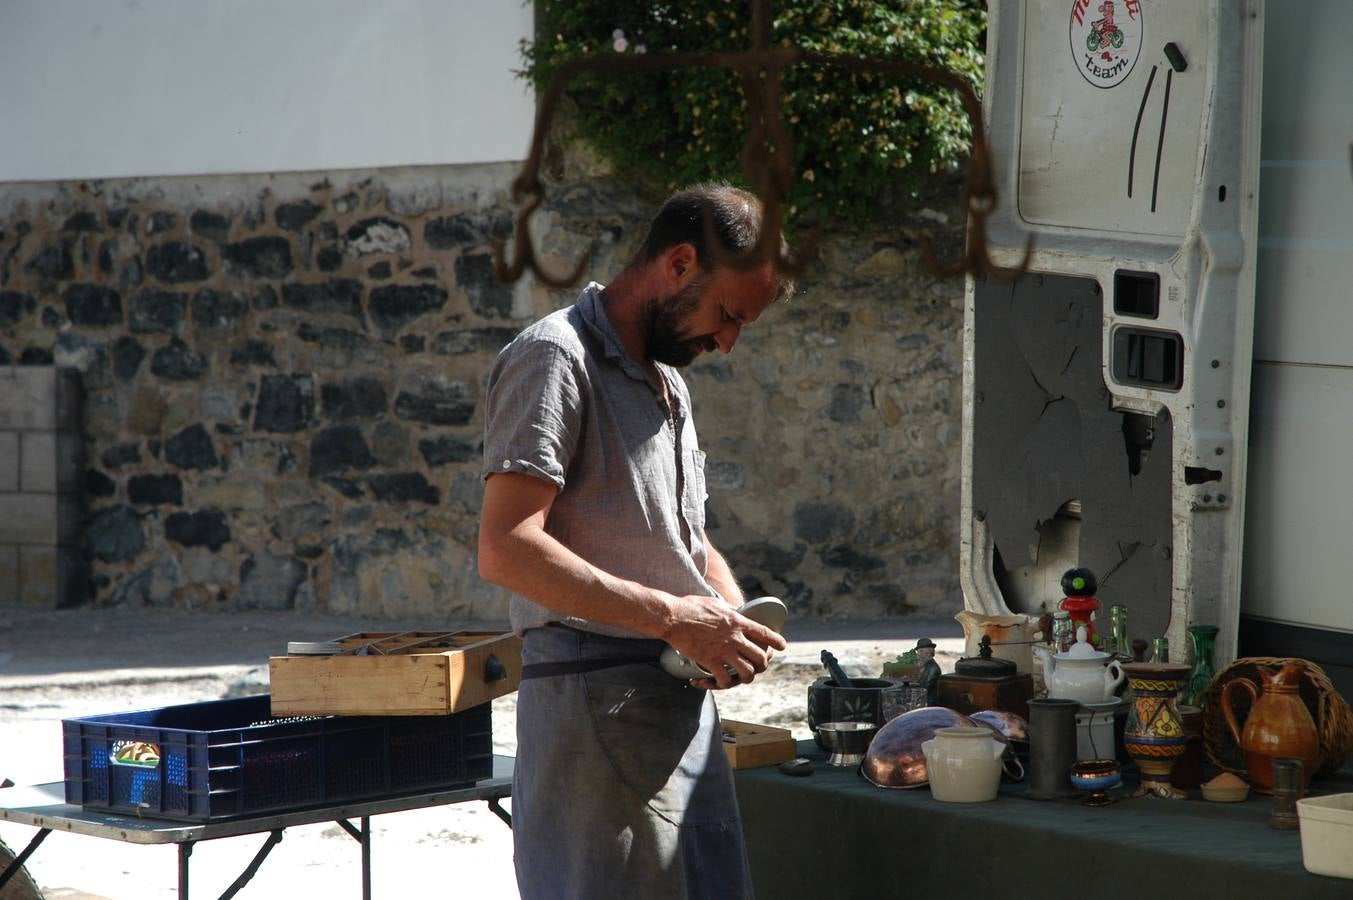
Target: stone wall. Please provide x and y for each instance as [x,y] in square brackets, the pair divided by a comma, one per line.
[283,381]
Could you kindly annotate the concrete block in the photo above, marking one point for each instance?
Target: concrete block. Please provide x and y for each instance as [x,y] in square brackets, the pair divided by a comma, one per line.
[9,575]
[28,519]
[45,398]
[9,460]
[28,397]
[51,577]
[40,519]
[37,461]
[50,461]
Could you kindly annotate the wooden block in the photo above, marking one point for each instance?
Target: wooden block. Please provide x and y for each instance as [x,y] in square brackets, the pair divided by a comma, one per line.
[400,674]
[753,746]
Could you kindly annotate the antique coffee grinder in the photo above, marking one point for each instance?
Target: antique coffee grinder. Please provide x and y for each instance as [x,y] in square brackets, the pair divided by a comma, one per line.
[986,682]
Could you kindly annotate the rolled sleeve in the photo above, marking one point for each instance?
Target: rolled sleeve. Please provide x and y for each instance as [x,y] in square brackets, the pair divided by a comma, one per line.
[533,411]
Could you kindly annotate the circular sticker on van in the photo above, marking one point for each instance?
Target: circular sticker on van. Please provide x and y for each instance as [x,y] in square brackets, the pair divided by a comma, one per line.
[1106,39]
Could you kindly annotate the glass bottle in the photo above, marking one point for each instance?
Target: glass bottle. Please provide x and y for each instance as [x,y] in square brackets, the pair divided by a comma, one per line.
[1288,781]
[1160,651]
[1118,636]
[1204,670]
[1063,631]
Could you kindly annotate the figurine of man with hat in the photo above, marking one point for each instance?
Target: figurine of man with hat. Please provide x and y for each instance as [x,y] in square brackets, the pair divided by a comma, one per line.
[929,675]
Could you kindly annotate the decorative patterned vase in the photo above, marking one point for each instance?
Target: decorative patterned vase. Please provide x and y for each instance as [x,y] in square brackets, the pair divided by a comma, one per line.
[1155,735]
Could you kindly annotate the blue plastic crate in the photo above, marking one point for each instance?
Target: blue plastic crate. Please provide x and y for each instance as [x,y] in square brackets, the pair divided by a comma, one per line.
[228,758]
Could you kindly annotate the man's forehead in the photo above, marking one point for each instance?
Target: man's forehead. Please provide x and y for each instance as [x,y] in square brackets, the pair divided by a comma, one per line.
[749,290]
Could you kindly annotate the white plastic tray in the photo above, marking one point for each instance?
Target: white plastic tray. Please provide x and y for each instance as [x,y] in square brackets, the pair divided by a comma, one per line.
[1327,834]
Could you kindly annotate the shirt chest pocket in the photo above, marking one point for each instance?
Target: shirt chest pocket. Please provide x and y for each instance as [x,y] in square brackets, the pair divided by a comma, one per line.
[693,494]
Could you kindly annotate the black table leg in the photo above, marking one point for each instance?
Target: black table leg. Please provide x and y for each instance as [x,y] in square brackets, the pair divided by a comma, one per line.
[185,851]
[27,852]
[499,811]
[274,838]
[363,837]
[366,858]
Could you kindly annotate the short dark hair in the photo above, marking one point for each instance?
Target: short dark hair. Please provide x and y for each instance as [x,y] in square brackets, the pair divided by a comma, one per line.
[736,219]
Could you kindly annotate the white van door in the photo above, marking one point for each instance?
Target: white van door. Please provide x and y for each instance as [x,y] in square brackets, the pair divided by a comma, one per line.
[1299,508]
[1106,391]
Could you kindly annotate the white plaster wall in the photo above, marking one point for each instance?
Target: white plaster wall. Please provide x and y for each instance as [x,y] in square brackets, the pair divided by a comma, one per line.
[115,88]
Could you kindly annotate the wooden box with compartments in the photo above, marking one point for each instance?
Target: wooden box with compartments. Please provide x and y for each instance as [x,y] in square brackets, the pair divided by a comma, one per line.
[751,746]
[395,673]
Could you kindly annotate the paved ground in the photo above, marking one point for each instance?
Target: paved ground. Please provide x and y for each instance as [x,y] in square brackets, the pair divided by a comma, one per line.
[57,665]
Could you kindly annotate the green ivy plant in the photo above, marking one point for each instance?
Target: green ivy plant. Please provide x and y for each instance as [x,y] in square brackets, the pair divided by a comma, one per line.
[858,137]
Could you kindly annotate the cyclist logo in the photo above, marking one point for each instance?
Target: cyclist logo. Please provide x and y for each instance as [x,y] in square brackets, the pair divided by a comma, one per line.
[1106,48]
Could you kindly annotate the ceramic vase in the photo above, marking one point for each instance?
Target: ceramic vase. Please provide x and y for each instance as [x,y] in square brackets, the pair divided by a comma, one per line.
[1278,724]
[1155,735]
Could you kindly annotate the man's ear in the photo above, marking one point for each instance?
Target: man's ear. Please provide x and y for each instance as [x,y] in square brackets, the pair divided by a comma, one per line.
[680,264]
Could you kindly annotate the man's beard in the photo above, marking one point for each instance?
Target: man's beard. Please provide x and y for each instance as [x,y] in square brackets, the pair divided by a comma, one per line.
[664,331]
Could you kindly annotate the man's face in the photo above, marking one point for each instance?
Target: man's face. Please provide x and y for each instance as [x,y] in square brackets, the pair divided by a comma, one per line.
[707,313]
[925,654]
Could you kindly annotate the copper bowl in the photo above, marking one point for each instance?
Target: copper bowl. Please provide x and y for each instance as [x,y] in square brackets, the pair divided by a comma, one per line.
[894,759]
[1015,729]
[1012,725]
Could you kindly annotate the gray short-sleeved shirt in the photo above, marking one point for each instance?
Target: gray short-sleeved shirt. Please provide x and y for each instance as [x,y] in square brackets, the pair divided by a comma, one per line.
[567,404]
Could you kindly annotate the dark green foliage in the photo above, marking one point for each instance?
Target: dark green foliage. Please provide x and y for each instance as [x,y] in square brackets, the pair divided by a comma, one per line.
[857,136]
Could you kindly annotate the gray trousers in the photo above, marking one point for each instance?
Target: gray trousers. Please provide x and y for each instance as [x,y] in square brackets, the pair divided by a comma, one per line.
[622,788]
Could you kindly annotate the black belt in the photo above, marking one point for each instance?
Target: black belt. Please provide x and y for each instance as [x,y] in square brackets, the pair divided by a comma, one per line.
[579,666]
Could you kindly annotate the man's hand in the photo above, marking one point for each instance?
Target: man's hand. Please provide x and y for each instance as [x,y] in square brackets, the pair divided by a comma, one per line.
[715,637]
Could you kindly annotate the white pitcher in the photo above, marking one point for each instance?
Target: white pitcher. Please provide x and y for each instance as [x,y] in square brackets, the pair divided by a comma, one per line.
[1009,637]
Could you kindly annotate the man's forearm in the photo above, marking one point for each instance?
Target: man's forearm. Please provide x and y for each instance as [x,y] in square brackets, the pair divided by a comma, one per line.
[529,562]
[720,575]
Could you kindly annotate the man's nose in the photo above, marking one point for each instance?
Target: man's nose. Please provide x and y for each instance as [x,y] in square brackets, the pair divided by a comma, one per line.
[727,336]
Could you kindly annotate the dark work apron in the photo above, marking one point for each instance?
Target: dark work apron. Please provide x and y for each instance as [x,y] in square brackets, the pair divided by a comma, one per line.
[621,787]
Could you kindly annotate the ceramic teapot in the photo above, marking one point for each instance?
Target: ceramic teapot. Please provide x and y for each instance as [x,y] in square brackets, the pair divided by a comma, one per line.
[1080,673]
[964,764]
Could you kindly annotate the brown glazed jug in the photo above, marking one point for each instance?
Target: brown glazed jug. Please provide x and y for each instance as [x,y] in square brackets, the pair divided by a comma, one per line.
[1278,725]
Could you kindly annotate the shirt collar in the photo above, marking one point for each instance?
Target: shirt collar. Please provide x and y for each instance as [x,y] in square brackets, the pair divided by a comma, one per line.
[593,313]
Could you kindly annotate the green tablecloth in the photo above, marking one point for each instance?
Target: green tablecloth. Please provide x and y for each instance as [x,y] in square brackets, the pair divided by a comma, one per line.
[833,834]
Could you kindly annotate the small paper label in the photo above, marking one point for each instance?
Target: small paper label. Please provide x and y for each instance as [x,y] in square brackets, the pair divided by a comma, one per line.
[141,754]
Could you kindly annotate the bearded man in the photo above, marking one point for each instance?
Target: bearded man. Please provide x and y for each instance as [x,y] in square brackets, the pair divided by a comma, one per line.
[593,517]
